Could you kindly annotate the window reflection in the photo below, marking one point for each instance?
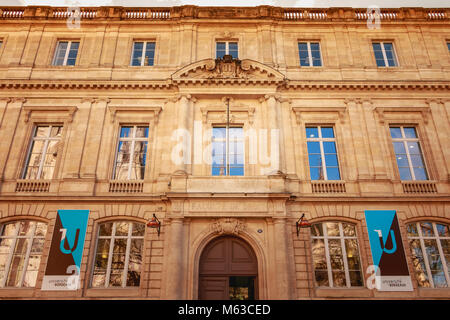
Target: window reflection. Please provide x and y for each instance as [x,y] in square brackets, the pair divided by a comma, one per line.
[335,253]
[118,256]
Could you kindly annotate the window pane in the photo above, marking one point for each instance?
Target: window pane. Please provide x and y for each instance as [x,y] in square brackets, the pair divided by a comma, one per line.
[317,229]
[410,132]
[419,263]
[329,147]
[142,132]
[313,147]
[312,132]
[427,229]
[331,160]
[233,49]
[318,247]
[126,132]
[106,229]
[122,228]
[413,148]
[327,132]
[315,160]
[356,278]
[333,173]
[443,230]
[402,161]
[321,278]
[420,174]
[349,230]
[396,132]
[339,279]
[351,247]
[9,230]
[316,173]
[138,229]
[412,230]
[333,229]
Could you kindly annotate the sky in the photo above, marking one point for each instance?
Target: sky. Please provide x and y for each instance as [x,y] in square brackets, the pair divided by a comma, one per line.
[237,3]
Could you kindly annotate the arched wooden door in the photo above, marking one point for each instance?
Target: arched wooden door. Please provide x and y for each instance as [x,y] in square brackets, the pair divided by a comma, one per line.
[228,270]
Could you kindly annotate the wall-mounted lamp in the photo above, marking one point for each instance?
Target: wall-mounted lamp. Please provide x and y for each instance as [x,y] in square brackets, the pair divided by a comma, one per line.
[155,224]
[302,223]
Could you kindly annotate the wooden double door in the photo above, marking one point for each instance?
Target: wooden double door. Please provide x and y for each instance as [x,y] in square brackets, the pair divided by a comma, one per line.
[228,270]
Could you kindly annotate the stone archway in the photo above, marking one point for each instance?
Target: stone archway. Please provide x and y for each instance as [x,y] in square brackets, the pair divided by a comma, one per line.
[228,270]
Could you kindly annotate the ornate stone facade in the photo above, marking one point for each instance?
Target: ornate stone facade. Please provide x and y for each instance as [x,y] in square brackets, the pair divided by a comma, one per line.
[187,88]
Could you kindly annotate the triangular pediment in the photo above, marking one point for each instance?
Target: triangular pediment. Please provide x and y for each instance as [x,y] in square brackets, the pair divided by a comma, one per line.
[227,71]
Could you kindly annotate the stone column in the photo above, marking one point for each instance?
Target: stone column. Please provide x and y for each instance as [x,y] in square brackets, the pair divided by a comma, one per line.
[283,278]
[175,267]
[361,151]
[9,112]
[274,133]
[93,138]
[440,119]
[183,127]
[77,139]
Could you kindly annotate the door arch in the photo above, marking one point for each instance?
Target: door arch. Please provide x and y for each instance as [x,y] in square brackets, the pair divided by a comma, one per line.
[228,269]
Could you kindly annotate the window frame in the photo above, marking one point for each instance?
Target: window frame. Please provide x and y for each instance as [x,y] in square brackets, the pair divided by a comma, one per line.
[405,140]
[322,152]
[310,58]
[45,149]
[31,239]
[342,239]
[112,237]
[227,149]
[421,239]
[144,50]
[133,140]
[69,46]
[227,47]
[383,50]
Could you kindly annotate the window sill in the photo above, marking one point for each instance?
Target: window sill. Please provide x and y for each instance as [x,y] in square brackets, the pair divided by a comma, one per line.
[113,292]
[17,292]
[343,293]
[434,292]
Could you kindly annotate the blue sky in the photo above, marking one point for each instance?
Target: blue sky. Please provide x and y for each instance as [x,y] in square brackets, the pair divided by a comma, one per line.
[281,3]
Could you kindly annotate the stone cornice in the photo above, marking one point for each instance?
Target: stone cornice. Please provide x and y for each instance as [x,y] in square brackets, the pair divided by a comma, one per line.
[194,12]
[171,84]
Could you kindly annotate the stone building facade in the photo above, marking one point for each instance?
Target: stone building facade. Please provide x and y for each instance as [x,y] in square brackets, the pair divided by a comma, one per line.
[279,82]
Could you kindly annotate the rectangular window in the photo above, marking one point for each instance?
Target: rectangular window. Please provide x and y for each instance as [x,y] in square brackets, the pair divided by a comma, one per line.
[384,54]
[226,47]
[322,153]
[309,53]
[448,46]
[43,152]
[131,154]
[143,53]
[408,153]
[228,151]
[66,53]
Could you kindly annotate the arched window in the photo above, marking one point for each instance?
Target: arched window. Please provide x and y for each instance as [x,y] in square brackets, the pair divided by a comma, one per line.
[335,253]
[118,255]
[433,239]
[21,245]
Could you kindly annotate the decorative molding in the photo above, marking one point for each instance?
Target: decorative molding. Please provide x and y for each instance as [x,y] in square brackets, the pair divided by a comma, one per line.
[70,110]
[227,226]
[234,111]
[153,111]
[424,111]
[339,110]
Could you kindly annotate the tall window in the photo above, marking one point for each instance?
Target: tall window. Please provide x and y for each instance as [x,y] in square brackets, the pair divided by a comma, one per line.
[143,53]
[227,47]
[131,154]
[408,153]
[21,245]
[118,257]
[335,255]
[43,152]
[322,153]
[384,54]
[66,53]
[448,46]
[228,151]
[430,249]
[309,53]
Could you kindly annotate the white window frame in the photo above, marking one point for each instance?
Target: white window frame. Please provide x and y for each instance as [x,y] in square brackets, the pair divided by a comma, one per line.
[394,54]
[66,56]
[46,140]
[227,149]
[133,140]
[227,46]
[144,50]
[322,152]
[436,237]
[310,59]
[405,141]
[31,237]
[342,238]
[112,238]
